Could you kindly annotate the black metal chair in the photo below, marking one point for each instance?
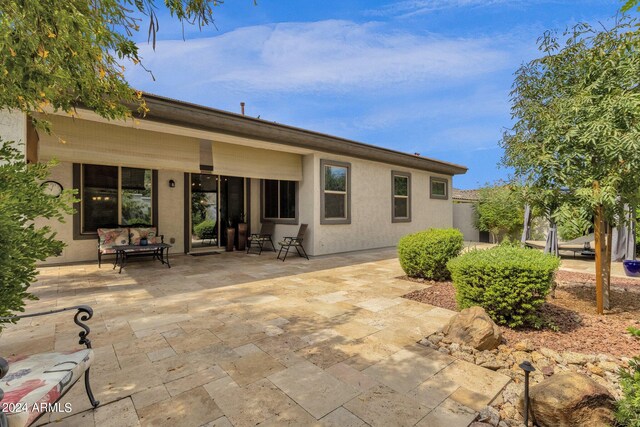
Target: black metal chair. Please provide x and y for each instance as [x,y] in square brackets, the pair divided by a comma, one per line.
[68,370]
[262,238]
[294,242]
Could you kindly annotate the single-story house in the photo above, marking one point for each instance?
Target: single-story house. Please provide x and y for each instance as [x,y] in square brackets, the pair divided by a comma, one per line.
[184,164]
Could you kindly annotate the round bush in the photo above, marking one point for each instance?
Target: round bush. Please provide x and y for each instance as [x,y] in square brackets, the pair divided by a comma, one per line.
[425,254]
[205,228]
[510,283]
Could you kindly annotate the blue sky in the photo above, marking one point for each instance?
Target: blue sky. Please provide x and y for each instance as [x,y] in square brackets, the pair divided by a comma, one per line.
[425,76]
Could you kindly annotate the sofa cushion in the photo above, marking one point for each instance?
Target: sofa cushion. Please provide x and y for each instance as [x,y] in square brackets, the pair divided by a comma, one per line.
[110,237]
[137,233]
[40,379]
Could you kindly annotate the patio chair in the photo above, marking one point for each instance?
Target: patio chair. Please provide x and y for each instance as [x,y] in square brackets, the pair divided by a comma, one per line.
[262,238]
[296,242]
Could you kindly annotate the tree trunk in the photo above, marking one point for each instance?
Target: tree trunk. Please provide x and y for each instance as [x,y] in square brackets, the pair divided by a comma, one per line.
[599,234]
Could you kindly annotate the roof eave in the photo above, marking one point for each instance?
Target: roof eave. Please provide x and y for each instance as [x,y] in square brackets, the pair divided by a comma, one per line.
[196,116]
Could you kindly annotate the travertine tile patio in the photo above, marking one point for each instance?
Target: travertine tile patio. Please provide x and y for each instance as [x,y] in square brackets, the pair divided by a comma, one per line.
[241,340]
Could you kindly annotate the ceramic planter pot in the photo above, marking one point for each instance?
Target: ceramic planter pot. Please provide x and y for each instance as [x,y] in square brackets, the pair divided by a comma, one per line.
[631,267]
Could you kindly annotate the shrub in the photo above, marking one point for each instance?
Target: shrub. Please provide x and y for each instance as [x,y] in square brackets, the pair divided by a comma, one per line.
[510,283]
[206,227]
[425,254]
[22,242]
[628,408]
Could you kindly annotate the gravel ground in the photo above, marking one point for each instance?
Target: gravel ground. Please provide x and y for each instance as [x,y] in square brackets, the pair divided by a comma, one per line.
[572,311]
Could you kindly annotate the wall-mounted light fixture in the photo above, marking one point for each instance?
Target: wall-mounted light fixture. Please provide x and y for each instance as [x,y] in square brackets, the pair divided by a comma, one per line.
[172,183]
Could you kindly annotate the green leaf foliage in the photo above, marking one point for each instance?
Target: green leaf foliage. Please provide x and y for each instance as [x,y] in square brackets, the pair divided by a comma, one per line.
[206,227]
[22,242]
[510,283]
[60,53]
[628,407]
[576,138]
[499,210]
[425,254]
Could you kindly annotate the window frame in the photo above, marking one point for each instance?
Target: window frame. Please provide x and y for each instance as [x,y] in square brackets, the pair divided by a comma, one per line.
[333,221]
[406,175]
[78,233]
[445,181]
[263,218]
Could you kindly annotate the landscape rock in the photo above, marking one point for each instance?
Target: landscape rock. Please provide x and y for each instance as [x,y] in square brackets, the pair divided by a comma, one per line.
[473,327]
[524,345]
[570,400]
[489,415]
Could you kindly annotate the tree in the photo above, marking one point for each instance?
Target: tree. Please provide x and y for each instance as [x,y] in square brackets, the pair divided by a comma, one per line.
[499,211]
[576,138]
[630,4]
[22,201]
[58,54]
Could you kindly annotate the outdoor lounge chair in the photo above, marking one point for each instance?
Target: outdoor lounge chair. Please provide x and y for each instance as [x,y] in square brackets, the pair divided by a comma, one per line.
[262,238]
[296,242]
[580,245]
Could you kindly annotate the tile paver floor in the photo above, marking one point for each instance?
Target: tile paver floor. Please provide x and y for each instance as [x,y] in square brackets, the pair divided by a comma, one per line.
[240,340]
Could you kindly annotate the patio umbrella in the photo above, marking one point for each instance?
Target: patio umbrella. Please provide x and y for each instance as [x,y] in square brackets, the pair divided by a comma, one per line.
[551,247]
[624,238]
[527,224]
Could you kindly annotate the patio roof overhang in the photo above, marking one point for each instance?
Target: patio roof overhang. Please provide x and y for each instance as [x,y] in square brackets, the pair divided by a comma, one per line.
[180,113]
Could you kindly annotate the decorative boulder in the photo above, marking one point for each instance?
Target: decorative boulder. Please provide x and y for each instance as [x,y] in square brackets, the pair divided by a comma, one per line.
[570,399]
[473,327]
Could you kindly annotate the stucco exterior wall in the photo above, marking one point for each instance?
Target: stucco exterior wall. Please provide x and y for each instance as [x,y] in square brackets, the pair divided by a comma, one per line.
[463,220]
[371,223]
[13,127]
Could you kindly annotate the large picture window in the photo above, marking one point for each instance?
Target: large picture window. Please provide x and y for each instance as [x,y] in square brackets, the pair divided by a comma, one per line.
[112,195]
[401,196]
[279,201]
[335,202]
[439,188]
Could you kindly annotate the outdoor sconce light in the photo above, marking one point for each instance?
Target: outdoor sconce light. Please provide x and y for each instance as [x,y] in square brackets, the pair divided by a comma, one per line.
[172,183]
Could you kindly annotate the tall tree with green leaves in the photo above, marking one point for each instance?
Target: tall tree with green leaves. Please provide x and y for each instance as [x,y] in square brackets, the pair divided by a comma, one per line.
[56,55]
[576,136]
[499,211]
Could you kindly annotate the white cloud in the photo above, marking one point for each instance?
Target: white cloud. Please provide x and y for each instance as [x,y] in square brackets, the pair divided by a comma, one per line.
[409,8]
[326,56]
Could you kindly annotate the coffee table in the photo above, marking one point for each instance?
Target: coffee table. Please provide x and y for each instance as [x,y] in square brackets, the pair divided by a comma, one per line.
[160,251]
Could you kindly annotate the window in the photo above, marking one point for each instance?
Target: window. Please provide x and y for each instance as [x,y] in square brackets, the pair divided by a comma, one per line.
[401,196]
[439,188]
[335,202]
[112,195]
[279,201]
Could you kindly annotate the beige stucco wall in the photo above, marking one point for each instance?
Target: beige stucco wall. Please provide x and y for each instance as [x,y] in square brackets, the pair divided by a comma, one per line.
[463,217]
[371,224]
[13,127]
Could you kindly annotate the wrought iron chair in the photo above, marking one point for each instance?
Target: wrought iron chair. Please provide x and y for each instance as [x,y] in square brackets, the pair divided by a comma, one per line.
[295,242]
[39,381]
[262,238]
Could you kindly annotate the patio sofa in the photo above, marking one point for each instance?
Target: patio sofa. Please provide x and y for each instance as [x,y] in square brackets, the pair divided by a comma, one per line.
[32,384]
[126,235]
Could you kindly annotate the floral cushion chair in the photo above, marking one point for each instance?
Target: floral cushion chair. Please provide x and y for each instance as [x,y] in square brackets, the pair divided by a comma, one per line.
[110,237]
[32,384]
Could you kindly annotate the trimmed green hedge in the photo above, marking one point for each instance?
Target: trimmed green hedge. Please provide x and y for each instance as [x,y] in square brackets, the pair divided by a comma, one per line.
[207,226]
[425,254]
[510,283]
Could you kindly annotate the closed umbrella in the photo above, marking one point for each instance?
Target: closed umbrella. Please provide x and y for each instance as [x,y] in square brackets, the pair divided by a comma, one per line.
[624,237]
[527,224]
[551,246]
